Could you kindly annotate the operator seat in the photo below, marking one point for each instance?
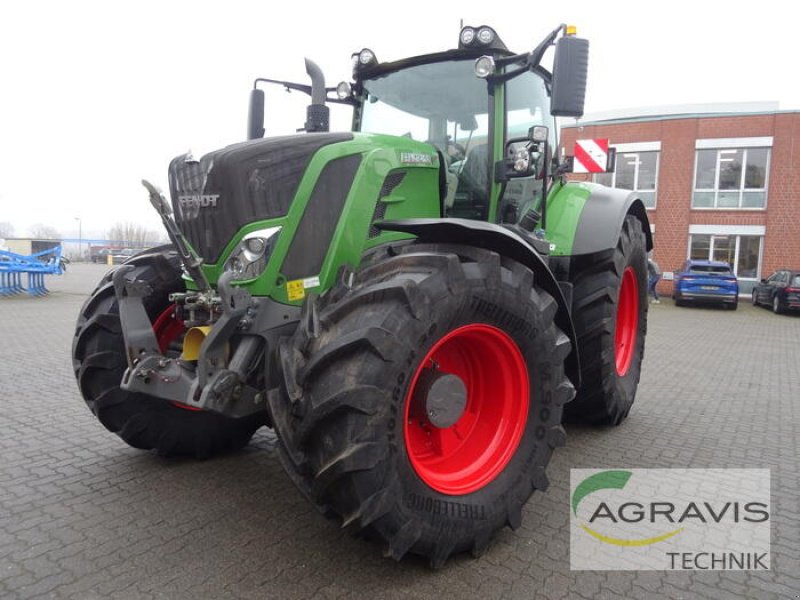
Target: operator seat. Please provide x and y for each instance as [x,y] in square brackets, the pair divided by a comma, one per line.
[475,171]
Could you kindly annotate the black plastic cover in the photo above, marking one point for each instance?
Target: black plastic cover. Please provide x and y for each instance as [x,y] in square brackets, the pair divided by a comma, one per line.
[255,115]
[570,72]
[216,196]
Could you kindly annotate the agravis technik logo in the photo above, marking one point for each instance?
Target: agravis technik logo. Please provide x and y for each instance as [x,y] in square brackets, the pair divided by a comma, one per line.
[670,519]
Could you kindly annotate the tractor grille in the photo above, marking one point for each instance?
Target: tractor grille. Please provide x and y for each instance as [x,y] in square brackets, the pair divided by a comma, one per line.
[216,196]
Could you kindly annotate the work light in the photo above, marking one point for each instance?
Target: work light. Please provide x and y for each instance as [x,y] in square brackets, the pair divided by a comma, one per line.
[485,35]
[484,67]
[366,57]
[343,90]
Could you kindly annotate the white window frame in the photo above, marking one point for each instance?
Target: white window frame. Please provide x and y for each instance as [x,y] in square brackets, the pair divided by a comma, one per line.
[736,232]
[636,147]
[722,144]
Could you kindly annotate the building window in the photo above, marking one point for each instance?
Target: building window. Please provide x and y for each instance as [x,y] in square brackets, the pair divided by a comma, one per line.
[731,178]
[637,171]
[742,252]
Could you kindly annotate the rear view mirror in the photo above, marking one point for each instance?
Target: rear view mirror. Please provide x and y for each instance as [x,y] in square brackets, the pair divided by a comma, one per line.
[255,115]
[570,71]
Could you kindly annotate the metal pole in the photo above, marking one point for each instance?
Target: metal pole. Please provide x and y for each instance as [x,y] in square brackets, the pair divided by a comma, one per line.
[80,235]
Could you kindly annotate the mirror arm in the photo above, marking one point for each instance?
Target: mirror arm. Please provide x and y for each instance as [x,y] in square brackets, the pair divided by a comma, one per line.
[306,89]
[545,190]
[535,57]
[508,75]
[546,75]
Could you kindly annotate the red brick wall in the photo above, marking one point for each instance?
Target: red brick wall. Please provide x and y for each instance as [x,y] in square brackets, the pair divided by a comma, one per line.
[673,213]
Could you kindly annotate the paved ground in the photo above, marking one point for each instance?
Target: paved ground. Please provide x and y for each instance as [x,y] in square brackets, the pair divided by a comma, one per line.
[84,516]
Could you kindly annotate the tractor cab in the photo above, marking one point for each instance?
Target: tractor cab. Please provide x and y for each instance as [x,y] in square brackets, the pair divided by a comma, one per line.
[438,99]
[488,113]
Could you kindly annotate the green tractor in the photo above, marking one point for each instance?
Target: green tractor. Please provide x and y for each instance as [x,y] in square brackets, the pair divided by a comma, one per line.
[410,306]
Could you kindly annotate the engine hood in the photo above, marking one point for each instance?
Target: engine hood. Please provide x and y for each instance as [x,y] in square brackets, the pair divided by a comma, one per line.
[226,189]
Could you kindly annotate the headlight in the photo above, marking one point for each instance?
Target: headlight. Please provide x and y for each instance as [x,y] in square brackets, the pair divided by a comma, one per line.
[249,259]
[467,35]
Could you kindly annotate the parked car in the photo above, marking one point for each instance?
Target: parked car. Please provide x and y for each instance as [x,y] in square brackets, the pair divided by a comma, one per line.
[100,256]
[781,291]
[706,282]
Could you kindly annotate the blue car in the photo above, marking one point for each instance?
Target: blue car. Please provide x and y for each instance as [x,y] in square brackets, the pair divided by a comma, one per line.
[706,282]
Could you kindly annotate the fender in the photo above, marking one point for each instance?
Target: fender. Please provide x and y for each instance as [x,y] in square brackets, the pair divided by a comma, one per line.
[602,217]
[507,243]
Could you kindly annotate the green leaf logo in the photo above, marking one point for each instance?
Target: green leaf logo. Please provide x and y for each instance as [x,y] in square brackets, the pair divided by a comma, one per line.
[599,481]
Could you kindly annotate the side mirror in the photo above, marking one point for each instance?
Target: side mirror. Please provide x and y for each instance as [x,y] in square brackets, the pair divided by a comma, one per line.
[570,72]
[255,115]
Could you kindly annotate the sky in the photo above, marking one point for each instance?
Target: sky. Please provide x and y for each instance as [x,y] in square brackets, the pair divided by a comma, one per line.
[95,96]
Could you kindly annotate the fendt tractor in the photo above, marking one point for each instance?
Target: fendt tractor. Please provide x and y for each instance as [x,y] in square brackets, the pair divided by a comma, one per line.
[410,305]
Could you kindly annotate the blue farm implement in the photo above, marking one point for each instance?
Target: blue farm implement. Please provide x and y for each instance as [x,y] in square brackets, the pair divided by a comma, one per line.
[36,266]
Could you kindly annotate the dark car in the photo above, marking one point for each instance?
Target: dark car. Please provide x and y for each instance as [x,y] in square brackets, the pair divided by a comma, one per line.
[101,256]
[706,282]
[781,291]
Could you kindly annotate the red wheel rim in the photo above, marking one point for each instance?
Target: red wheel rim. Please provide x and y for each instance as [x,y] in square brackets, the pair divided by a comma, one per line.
[627,322]
[469,454]
[169,328]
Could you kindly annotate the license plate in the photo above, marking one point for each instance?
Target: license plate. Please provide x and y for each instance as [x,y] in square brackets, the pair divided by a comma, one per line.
[709,287]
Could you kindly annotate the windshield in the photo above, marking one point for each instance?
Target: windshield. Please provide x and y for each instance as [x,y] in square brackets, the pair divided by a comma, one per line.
[446,105]
[439,103]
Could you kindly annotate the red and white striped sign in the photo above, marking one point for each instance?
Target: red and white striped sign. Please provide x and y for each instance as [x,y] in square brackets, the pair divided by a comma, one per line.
[591,156]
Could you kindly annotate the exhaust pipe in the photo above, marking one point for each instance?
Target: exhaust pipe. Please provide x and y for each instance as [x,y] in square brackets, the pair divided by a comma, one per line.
[317,114]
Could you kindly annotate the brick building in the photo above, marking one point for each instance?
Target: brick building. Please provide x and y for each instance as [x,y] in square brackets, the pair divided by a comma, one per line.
[720,183]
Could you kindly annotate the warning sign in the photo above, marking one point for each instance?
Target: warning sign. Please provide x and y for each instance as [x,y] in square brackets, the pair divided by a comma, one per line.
[295,290]
[591,156]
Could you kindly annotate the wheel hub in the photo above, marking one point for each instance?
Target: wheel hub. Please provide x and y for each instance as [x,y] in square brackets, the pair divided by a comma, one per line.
[444,396]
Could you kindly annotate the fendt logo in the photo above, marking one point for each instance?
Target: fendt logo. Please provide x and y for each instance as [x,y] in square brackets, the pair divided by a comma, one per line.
[198,200]
[670,519]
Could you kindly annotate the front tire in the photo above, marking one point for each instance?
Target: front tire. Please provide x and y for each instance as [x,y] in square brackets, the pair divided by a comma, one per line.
[98,356]
[356,416]
[610,316]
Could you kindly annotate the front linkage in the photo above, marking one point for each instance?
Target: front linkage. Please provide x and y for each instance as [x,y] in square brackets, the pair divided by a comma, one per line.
[220,378]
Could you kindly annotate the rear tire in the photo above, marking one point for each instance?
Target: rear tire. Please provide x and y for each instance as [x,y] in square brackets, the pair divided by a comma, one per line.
[776,305]
[610,316]
[142,421]
[351,430]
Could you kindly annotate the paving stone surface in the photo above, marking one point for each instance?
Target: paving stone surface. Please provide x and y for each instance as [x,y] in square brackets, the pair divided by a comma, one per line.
[84,516]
